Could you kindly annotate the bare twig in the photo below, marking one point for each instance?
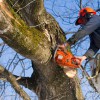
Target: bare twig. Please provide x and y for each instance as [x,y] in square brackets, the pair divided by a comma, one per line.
[25,6]
[48,21]
[15,3]
[1,44]
[66,33]
[80,4]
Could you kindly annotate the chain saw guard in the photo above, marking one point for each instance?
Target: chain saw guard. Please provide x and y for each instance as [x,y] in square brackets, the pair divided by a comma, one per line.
[65,58]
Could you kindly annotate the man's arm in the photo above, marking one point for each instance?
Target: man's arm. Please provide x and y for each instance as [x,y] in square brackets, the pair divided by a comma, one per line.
[90,52]
[90,27]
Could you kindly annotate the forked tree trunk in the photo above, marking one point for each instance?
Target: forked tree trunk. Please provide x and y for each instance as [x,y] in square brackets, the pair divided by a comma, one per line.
[48,80]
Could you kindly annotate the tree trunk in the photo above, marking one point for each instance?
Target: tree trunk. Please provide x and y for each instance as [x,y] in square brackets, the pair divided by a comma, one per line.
[48,80]
[56,86]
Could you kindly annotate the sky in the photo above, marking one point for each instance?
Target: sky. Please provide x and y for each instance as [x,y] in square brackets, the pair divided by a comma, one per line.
[65,12]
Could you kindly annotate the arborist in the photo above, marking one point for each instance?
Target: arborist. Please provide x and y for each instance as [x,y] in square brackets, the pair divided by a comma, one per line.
[90,23]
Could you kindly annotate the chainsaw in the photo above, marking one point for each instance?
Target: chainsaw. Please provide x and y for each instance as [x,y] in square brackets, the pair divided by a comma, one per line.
[64,57]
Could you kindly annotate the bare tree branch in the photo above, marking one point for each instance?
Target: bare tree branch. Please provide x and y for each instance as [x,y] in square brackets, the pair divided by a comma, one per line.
[81,4]
[14,83]
[29,82]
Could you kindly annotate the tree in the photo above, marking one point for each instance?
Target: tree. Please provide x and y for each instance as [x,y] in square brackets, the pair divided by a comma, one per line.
[48,80]
[38,44]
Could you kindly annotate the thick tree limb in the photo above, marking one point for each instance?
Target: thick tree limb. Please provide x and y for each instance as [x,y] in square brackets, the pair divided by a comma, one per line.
[36,16]
[29,82]
[14,83]
[46,23]
[27,41]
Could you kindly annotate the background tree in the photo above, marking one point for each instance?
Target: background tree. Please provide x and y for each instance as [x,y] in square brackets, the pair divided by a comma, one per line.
[36,38]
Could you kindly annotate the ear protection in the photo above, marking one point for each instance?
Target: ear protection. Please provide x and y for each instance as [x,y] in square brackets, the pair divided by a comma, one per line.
[87,15]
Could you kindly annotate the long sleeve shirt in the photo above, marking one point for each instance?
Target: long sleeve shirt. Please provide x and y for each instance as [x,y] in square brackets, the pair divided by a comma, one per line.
[92,28]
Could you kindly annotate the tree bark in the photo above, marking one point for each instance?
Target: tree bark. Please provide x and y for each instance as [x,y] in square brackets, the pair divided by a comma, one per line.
[38,44]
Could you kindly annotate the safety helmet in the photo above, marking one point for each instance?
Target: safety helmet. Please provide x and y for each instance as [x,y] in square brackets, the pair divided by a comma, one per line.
[85,13]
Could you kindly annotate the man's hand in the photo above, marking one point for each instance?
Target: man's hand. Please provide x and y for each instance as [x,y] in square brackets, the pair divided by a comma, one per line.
[81,59]
[62,46]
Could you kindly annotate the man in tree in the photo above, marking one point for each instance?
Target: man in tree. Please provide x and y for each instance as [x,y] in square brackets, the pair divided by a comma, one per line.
[90,23]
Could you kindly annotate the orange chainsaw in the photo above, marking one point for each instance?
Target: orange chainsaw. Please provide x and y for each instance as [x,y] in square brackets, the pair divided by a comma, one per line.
[65,58]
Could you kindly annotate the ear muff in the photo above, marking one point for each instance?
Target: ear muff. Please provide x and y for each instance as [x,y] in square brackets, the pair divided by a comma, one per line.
[79,21]
[87,15]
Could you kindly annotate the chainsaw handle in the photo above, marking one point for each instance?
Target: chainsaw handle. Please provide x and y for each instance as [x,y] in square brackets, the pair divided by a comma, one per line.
[74,59]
